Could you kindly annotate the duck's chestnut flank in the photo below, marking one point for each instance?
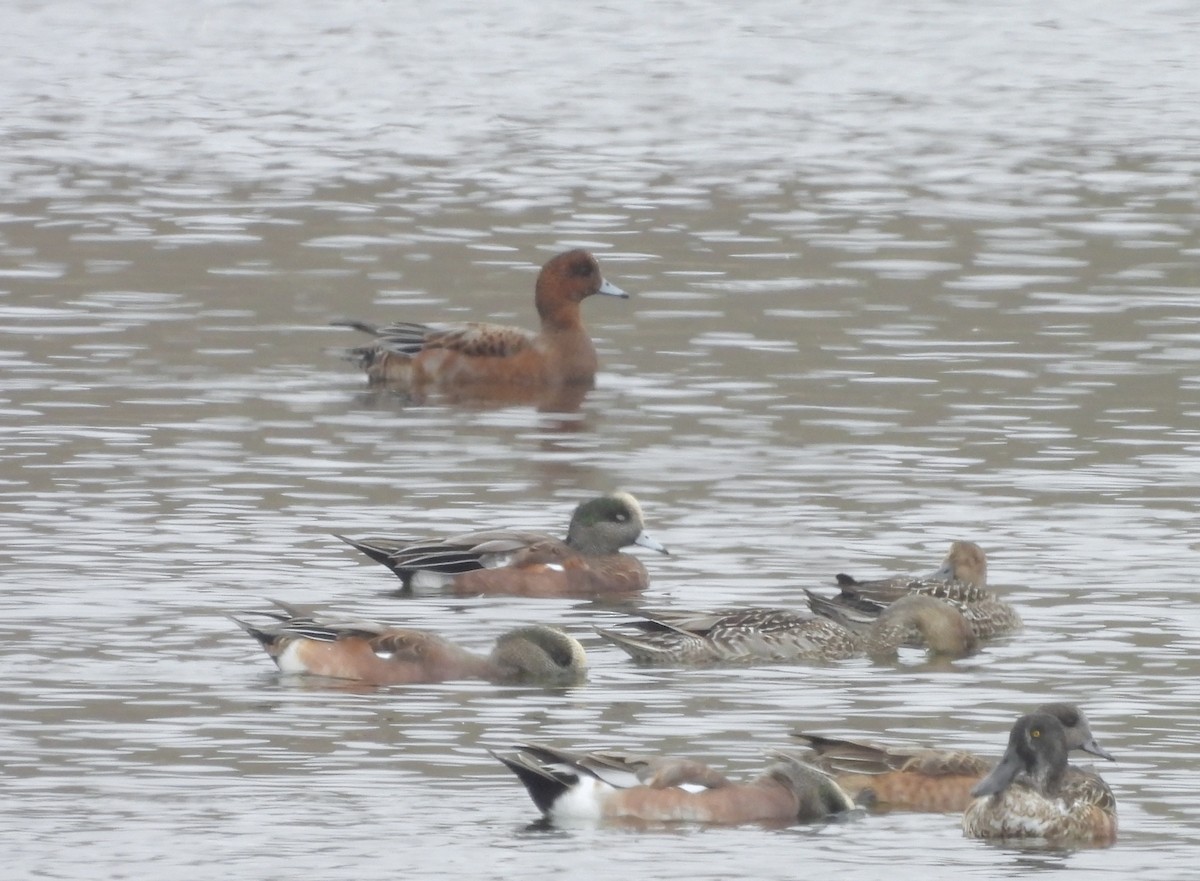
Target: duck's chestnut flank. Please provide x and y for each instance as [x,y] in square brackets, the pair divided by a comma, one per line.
[419,357]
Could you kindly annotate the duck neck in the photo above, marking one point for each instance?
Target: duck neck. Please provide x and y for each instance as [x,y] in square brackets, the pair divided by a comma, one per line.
[571,356]
[1050,776]
[587,542]
[536,654]
[477,666]
[558,315]
[939,625]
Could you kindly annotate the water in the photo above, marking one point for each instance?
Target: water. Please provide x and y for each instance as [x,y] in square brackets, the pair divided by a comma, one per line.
[902,275]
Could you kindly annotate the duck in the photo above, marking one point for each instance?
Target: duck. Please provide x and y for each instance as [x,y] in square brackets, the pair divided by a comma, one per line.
[311,644]
[960,580]
[923,779]
[588,563]
[418,356]
[1033,793]
[782,635]
[571,788]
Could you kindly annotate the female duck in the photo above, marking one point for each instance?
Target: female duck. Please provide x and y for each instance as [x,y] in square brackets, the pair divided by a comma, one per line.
[1034,793]
[766,635]
[960,580]
[922,779]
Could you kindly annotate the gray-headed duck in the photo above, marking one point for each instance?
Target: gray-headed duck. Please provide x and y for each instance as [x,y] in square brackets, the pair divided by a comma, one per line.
[377,654]
[587,564]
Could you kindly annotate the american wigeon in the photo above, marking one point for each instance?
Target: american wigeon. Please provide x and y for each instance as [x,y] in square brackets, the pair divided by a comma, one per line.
[365,651]
[766,635]
[415,356]
[569,787]
[921,779]
[588,563]
[961,580]
[1034,793]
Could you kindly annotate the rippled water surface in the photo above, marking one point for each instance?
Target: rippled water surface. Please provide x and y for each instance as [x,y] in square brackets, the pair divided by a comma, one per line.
[902,274]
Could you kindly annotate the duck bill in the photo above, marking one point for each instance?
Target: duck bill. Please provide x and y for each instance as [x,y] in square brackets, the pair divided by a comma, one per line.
[943,573]
[1000,777]
[1090,746]
[611,290]
[645,541]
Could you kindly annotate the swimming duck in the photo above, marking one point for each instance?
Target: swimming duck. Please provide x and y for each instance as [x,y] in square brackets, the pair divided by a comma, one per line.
[377,654]
[415,356]
[569,788]
[765,635]
[961,580]
[1034,793]
[588,563]
[922,779]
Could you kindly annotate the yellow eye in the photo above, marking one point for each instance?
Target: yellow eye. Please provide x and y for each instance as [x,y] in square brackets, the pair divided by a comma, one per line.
[1035,732]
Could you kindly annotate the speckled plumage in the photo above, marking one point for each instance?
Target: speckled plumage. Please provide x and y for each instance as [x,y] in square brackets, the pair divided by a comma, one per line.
[924,779]
[733,637]
[1034,793]
[961,581]
[766,635]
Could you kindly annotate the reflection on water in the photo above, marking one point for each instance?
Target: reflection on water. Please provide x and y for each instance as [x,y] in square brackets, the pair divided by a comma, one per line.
[903,276]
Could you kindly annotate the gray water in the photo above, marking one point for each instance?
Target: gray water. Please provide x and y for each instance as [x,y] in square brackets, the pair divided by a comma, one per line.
[902,275]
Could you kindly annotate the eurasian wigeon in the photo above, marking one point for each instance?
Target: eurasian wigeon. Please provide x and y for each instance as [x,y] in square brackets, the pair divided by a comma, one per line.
[961,580]
[418,356]
[1034,793]
[783,635]
[569,788]
[587,564]
[921,779]
[377,654]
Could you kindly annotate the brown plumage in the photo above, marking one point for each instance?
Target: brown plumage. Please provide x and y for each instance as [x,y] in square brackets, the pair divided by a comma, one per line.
[573,787]
[377,654]
[1034,793]
[961,580]
[588,563]
[923,779]
[415,357]
[783,635]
